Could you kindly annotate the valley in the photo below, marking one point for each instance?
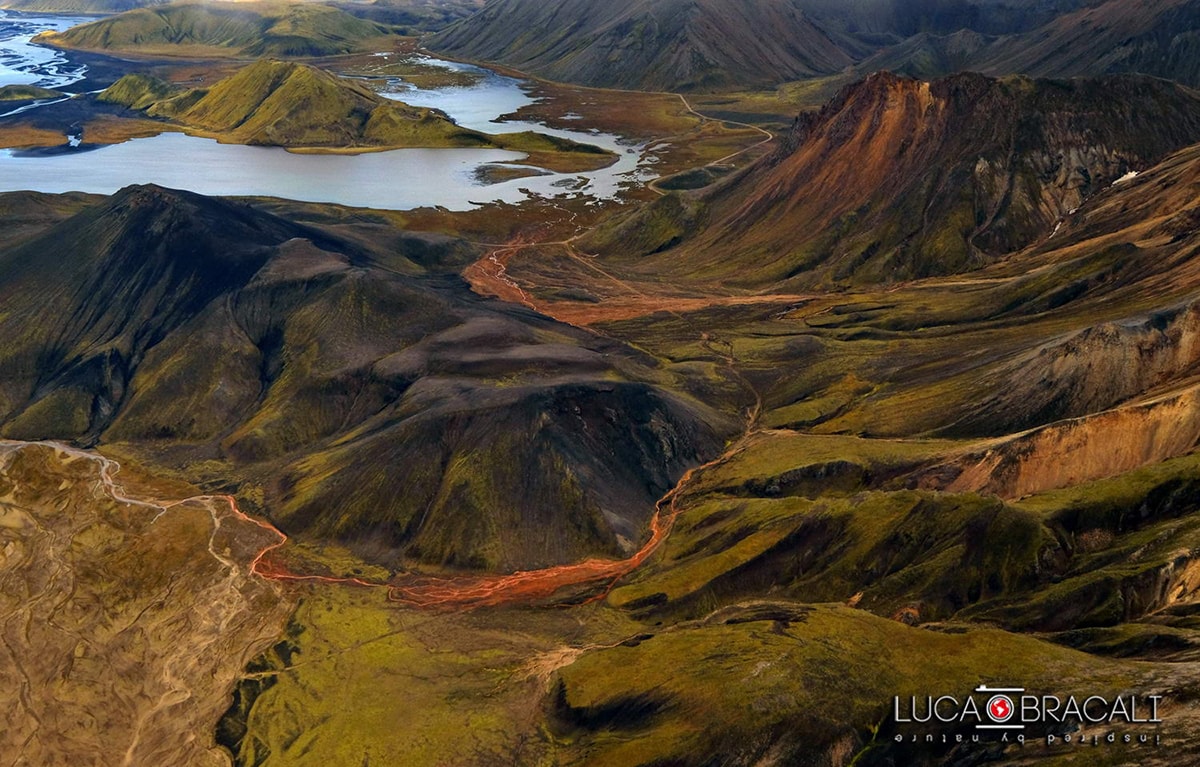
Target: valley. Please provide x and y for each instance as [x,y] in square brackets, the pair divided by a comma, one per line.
[641,390]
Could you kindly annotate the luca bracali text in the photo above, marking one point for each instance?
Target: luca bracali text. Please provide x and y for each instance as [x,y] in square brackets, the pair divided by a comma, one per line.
[1015,715]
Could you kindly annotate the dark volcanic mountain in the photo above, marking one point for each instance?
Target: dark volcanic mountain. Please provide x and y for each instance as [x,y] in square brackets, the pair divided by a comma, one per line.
[897,178]
[712,45]
[708,45]
[657,45]
[412,16]
[391,408]
[1155,37]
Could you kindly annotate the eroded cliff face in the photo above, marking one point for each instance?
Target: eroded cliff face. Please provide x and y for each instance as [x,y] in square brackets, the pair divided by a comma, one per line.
[1091,370]
[123,624]
[1075,451]
[1173,583]
[1020,201]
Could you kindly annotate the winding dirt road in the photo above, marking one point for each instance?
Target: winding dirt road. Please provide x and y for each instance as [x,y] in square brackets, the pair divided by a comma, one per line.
[426,592]
[597,576]
[259,565]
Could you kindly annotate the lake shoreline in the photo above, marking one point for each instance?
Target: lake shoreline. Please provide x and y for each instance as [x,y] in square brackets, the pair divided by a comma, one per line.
[104,149]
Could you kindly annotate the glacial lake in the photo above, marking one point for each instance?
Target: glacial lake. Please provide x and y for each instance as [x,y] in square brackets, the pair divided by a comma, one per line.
[400,179]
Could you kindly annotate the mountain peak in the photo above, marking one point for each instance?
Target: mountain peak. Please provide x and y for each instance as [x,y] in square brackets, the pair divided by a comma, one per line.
[897,178]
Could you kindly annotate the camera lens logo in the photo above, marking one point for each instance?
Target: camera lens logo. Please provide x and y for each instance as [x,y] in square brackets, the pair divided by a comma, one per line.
[1000,708]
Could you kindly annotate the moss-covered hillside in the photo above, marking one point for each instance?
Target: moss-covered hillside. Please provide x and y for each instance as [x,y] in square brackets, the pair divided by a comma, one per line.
[225,29]
[278,103]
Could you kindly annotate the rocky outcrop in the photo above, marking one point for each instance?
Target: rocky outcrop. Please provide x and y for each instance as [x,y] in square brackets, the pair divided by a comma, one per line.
[1176,581]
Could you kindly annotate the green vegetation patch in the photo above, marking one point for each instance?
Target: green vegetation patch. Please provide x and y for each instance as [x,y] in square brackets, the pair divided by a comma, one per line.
[788,682]
[358,680]
[27,93]
[245,29]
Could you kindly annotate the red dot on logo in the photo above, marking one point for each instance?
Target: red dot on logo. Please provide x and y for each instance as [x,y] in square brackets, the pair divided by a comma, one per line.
[1000,708]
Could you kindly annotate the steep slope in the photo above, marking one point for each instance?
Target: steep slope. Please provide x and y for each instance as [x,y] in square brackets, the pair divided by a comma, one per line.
[705,45]
[1101,37]
[388,409]
[27,214]
[1098,316]
[929,56]
[412,16]
[656,45]
[243,29]
[897,178]
[1154,37]
[886,19]
[174,255]
[711,45]
[1084,529]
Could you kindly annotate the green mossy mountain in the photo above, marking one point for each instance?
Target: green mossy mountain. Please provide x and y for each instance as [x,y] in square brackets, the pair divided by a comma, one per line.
[955,469]
[277,103]
[26,92]
[286,104]
[144,92]
[825,518]
[804,685]
[937,356]
[243,29]
[1063,511]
